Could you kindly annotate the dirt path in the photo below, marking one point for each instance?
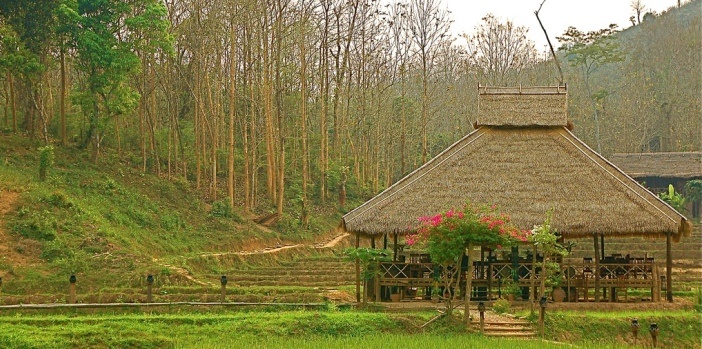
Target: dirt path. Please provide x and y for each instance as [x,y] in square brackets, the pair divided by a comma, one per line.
[186,274]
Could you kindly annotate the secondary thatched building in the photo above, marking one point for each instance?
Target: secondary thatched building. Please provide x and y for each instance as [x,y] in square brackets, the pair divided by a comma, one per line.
[657,170]
[523,158]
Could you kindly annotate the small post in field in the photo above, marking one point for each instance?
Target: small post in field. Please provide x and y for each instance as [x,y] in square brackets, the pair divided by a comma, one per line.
[149,285]
[223,281]
[542,314]
[72,289]
[653,329]
[481,309]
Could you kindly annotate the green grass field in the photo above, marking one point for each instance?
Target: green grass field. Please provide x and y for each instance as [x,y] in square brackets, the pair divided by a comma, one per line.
[319,329]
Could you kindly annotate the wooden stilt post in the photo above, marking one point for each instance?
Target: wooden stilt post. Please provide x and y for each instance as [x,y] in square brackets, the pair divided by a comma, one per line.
[597,270]
[394,247]
[602,255]
[376,279]
[532,279]
[669,267]
[358,271]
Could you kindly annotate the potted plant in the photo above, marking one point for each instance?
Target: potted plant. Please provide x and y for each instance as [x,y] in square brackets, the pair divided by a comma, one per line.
[512,291]
[394,294]
[545,238]
[555,278]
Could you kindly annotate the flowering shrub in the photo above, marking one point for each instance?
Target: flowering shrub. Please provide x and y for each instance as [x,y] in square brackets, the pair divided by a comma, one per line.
[446,235]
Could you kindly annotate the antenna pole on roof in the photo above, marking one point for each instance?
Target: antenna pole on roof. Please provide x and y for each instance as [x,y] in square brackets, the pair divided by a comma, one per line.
[553,53]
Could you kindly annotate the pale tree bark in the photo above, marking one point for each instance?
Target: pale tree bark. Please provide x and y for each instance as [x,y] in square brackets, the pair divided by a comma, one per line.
[429,25]
[232,112]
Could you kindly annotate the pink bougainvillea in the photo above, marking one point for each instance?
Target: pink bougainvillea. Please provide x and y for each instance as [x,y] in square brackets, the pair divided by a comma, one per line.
[482,225]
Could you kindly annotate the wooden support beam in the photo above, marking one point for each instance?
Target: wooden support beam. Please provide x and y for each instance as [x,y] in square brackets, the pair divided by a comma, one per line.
[358,271]
[597,270]
[669,267]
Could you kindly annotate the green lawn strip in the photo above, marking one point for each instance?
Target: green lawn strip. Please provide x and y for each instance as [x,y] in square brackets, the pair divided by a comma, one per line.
[678,329]
[371,341]
[163,331]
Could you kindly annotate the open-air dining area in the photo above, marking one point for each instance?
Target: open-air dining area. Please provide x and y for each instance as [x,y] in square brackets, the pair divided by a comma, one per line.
[413,277]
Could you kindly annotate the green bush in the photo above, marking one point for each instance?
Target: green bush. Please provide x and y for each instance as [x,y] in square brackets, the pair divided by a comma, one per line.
[36,226]
[59,199]
[221,209]
[53,250]
[46,161]
[501,306]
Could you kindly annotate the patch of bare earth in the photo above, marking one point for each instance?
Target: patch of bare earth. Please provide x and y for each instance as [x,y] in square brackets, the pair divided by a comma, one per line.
[10,246]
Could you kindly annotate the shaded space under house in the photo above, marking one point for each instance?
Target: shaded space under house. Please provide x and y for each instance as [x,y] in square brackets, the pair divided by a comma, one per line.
[523,158]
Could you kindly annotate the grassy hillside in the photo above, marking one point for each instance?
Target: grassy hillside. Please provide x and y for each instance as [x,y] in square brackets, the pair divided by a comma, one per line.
[110,224]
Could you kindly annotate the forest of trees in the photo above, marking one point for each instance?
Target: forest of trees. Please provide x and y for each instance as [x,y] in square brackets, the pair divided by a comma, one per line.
[281,104]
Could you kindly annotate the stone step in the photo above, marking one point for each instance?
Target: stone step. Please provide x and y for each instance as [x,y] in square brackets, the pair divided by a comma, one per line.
[291,271]
[293,283]
[511,334]
[296,278]
[497,328]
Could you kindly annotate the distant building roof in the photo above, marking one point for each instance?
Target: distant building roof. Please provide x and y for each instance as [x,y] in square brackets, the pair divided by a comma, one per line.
[666,165]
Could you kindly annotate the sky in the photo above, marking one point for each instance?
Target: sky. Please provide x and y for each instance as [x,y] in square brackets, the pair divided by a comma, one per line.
[556,15]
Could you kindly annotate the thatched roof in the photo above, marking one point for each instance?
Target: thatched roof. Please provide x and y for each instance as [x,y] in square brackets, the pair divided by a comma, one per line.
[522,106]
[664,165]
[525,171]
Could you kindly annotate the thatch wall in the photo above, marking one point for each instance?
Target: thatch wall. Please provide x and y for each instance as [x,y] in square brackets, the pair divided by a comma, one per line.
[536,106]
[663,165]
[525,172]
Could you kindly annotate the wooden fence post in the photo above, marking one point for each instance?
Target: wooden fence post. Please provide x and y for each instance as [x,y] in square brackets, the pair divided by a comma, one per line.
[149,284]
[223,281]
[72,289]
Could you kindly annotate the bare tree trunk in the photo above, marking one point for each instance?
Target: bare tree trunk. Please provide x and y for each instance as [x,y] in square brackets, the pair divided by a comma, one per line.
[12,101]
[232,112]
[62,111]
[279,109]
[469,281]
[303,128]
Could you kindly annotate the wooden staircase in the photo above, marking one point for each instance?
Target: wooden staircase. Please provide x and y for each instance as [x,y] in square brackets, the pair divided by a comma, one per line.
[503,326]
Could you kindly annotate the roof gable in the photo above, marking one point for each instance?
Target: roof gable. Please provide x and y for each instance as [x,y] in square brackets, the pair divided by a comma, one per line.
[522,106]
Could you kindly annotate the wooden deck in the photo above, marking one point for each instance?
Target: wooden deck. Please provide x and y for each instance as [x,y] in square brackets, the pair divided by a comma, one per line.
[416,280]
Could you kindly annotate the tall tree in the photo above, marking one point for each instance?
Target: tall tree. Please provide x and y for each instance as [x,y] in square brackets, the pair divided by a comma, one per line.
[429,24]
[589,51]
[500,51]
[103,33]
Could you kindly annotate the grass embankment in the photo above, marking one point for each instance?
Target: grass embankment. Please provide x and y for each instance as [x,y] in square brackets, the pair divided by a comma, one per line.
[110,224]
[330,328]
[678,328]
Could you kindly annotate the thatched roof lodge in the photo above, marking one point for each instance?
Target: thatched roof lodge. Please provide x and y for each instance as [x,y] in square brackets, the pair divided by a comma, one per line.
[684,165]
[658,170]
[523,158]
